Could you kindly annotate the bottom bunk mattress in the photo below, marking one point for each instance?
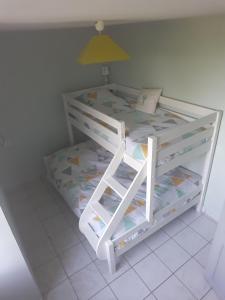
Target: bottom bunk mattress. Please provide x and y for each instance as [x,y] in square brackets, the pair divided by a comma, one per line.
[76,171]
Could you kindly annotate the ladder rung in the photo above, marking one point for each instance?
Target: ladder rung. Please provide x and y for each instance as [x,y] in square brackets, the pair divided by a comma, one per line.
[116,186]
[101,212]
[132,162]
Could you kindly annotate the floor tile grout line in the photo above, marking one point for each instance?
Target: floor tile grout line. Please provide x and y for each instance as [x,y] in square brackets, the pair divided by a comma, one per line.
[189,288]
[99,291]
[198,216]
[61,264]
[194,256]
[157,246]
[131,267]
[199,234]
[142,280]
[73,288]
[190,291]
[67,277]
[211,289]
[172,272]
[57,256]
[187,226]
[202,298]
[163,228]
[151,294]
[58,284]
[189,258]
[81,269]
[113,292]
[186,249]
[108,283]
[138,260]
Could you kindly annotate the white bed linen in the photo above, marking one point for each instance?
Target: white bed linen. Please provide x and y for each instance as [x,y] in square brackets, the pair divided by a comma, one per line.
[76,171]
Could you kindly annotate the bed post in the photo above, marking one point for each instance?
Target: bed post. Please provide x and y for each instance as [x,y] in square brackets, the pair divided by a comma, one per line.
[209,159]
[111,257]
[69,125]
[150,184]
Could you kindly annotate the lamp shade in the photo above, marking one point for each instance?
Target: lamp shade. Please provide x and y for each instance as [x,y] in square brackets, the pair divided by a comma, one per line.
[101,49]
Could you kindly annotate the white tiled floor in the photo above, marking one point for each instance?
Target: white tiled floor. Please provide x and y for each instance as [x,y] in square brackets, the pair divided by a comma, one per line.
[167,266]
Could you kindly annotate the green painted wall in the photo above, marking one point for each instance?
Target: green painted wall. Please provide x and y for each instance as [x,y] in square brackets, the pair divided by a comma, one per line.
[187,59]
[35,68]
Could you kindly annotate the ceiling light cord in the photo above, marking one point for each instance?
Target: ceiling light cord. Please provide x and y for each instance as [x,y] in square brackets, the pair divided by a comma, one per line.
[99,26]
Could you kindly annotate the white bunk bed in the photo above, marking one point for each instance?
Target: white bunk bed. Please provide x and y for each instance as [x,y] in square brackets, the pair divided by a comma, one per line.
[120,186]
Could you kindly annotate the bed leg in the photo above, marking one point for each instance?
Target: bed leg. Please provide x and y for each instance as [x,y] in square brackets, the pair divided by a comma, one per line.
[111,257]
[199,208]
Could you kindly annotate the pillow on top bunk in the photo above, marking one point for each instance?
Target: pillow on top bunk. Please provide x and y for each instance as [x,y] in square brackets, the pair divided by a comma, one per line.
[148,99]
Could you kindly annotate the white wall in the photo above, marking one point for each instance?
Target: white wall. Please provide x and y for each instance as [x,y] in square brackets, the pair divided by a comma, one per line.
[16,280]
[35,68]
[187,59]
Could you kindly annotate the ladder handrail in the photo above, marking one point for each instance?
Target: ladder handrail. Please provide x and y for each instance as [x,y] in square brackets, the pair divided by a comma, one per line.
[127,194]
[122,208]
[150,184]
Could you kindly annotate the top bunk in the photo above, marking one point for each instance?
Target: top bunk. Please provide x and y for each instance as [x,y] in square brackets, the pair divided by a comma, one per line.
[108,115]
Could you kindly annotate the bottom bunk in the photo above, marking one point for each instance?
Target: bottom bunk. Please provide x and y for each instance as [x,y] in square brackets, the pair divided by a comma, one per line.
[76,171]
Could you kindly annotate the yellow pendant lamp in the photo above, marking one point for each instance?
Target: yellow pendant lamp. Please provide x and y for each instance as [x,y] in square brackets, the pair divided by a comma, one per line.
[102,49]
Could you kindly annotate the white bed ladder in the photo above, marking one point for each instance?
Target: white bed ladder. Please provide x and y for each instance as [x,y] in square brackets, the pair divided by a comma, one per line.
[126,195]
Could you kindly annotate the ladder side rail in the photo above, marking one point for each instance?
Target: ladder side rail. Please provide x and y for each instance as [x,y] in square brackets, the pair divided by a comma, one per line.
[96,196]
[150,184]
[121,210]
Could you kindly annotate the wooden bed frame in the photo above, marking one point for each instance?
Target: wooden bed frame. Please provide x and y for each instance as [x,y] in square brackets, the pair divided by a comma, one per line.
[88,120]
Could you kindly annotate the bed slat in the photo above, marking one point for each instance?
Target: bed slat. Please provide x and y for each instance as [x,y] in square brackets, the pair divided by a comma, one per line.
[94,136]
[185,108]
[113,137]
[171,134]
[95,113]
[183,158]
[206,134]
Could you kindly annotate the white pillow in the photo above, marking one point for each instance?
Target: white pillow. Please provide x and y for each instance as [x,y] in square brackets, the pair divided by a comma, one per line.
[148,99]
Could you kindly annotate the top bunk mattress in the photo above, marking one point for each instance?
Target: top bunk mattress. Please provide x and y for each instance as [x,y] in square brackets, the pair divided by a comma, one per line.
[139,125]
[76,172]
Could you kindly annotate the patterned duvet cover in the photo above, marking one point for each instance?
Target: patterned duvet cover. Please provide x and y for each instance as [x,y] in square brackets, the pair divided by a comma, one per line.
[139,125]
[76,171]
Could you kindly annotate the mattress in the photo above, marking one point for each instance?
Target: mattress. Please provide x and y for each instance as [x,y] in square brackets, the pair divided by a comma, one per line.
[76,171]
[139,125]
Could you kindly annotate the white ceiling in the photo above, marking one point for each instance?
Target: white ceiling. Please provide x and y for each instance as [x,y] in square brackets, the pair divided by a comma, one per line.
[61,13]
